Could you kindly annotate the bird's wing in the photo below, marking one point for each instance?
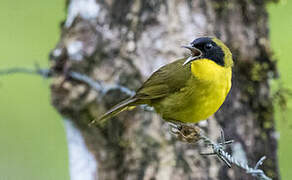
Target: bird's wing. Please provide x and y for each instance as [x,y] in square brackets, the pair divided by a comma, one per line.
[168,79]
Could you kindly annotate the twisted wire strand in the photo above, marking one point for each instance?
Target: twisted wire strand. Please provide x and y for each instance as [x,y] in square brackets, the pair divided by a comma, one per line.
[45,73]
[219,151]
[98,86]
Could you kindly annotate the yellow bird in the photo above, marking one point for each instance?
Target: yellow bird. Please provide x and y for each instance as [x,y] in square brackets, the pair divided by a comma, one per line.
[187,90]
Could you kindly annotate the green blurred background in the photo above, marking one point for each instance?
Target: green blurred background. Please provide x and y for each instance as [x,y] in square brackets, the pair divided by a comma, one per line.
[32,138]
[281,39]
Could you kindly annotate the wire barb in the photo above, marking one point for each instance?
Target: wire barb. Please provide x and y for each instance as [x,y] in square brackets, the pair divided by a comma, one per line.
[218,149]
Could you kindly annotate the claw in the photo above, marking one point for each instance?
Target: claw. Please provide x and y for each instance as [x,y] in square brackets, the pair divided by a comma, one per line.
[185,133]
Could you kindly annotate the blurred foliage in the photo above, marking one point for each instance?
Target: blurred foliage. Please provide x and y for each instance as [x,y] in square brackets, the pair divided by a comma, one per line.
[281,39]
[32,137]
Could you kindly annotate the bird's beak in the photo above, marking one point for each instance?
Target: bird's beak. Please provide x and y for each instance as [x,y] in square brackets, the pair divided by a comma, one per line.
[195,54]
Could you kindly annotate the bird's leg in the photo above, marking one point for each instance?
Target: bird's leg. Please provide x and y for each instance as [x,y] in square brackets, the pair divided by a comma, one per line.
[184,132]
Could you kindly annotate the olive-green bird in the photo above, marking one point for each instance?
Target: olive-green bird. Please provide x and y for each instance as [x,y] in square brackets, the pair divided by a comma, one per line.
[187,90]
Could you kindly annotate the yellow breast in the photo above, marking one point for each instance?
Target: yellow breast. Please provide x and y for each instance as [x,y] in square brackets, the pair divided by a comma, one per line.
[210,86]
[203,95]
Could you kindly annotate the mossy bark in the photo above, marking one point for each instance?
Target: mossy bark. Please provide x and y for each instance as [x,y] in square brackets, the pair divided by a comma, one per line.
[122,42]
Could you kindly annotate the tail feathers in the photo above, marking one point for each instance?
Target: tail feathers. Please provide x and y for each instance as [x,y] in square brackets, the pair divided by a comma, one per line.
[125,105]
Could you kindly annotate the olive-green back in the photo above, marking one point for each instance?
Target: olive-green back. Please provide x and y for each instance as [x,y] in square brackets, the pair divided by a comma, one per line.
[167,80]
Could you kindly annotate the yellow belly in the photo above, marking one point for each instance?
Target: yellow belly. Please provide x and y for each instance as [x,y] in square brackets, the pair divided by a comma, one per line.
[202,96]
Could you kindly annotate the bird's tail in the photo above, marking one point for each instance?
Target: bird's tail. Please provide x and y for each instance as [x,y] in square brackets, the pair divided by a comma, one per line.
[127,104]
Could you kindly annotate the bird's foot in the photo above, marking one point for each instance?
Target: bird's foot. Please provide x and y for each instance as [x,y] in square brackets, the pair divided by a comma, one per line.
[187,133]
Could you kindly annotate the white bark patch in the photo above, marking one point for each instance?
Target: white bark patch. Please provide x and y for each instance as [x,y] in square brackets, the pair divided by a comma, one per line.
[82,163]
[200,20]
[87,9]
[74,50]
[131,46]
[57,52]
[167,163]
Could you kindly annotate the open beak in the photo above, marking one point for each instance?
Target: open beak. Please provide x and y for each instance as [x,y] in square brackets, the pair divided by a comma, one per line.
[195,54]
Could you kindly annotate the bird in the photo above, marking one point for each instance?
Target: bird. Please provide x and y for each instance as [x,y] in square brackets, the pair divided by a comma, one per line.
[189,89]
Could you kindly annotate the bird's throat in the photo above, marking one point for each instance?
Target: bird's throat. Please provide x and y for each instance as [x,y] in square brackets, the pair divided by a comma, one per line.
[208,70]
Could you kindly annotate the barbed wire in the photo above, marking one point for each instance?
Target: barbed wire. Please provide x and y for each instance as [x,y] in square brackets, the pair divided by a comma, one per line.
[44,72]
[218,149]
[98,86]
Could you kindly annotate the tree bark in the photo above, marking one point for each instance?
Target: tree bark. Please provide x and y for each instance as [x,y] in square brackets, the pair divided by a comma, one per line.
[122,42]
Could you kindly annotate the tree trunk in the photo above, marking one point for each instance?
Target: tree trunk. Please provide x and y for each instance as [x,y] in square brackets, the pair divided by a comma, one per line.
[121,42]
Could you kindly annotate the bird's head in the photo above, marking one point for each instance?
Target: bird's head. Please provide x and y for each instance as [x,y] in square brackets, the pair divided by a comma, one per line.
[209,48]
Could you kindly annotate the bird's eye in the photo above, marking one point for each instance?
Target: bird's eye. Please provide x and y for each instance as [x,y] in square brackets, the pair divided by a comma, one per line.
[208,46]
